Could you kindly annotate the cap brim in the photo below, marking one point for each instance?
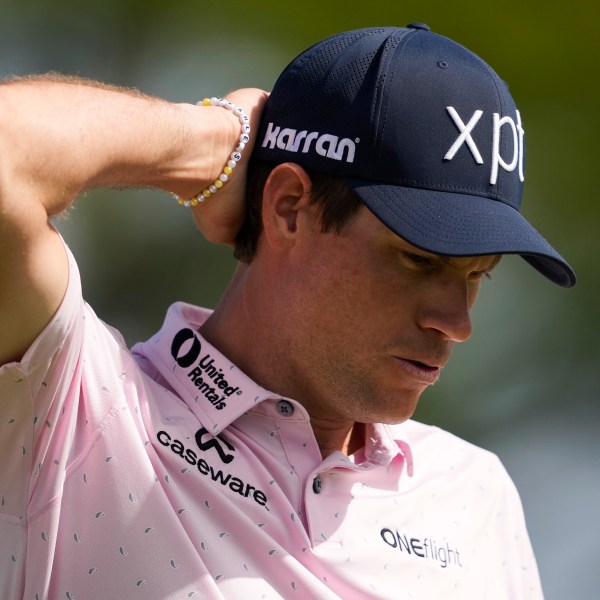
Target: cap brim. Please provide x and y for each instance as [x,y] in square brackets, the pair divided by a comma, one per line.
[454,224]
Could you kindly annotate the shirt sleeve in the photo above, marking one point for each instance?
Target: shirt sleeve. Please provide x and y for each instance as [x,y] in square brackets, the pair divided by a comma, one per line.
[36,396]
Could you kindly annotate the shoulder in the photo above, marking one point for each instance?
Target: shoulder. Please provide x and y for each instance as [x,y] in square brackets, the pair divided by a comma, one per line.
[445,465]
[73,336]
[434,448]
[431,436]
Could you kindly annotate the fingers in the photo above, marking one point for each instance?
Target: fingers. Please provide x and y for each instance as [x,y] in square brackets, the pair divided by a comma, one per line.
[220,217]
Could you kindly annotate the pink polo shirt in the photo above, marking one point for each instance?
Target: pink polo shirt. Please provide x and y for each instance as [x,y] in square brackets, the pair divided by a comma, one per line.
[113,486]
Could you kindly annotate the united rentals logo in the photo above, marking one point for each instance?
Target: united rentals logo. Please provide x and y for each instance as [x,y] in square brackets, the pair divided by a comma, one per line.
[210,380]
[326,144]
[226,480]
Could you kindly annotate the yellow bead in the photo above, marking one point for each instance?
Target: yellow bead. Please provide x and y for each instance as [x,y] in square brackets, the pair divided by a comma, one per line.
[206,102]
[194,201]
[207,193]
[227,170]
[180,200]
[218,183]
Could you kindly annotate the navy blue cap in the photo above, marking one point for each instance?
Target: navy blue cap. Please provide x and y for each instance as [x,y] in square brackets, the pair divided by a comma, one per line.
[424,131]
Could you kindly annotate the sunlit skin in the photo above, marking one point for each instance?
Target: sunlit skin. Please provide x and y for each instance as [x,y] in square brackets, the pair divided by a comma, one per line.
[355,325]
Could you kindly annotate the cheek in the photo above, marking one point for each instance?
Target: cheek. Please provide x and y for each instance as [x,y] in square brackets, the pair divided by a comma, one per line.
[345,294]
[473,292]
[342,287]
[356,314]
[328,310]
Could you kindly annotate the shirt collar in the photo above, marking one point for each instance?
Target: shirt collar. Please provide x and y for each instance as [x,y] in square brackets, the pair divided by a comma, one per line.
[382,445]
[218,392]
[214,389]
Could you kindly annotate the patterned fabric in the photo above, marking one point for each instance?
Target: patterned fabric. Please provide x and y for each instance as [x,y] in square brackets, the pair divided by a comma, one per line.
[113,486]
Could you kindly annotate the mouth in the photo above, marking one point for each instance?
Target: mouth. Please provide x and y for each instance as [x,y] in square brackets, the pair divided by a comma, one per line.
[420,371]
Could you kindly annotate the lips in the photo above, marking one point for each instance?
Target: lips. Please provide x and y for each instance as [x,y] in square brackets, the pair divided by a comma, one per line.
[420,371]
[422,364]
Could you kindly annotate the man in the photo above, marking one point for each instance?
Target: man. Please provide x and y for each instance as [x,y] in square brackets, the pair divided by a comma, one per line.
[264,450]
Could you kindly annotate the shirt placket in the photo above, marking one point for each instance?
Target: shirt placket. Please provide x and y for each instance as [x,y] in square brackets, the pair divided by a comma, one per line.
[326,498]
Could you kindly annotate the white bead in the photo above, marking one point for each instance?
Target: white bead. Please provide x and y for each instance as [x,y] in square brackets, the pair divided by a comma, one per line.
[244,138]
[187,203]
[201,198]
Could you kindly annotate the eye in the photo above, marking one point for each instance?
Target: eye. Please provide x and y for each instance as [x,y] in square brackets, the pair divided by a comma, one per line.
[417,260]
[480,275]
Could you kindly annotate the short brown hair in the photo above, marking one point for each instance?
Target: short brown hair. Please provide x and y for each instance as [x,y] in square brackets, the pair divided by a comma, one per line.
[336,201]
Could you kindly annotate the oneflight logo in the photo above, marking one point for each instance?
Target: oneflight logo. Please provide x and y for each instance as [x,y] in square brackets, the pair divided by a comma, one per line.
[427,548]
[326,144]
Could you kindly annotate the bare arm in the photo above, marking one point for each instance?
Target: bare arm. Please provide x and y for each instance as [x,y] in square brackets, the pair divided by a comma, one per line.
[61,137]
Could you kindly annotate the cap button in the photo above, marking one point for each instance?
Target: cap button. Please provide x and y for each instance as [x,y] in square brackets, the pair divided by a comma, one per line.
[419,26]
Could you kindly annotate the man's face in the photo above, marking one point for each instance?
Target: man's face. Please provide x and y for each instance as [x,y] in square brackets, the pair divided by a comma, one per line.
[369,320]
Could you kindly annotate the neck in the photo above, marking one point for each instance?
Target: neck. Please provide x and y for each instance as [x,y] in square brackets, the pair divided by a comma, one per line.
[334,437]
[239,323]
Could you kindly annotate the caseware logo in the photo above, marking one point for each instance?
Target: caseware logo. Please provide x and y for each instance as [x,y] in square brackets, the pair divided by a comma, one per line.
[226,480]
[215,442]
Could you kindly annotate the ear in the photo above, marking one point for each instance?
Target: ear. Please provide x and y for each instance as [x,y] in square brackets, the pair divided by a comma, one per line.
[285,205]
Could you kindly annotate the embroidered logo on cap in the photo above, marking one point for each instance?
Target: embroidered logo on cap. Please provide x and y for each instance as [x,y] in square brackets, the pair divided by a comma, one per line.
[326,144]
[497,160]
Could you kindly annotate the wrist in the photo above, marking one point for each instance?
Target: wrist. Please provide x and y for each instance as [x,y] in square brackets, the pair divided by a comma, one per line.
[228,143]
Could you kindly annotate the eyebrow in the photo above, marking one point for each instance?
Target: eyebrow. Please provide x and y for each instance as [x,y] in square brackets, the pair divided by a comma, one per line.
[496,261]
[448,259]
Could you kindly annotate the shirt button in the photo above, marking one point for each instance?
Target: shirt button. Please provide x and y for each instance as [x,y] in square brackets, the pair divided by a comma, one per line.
[285,408]
[317,484]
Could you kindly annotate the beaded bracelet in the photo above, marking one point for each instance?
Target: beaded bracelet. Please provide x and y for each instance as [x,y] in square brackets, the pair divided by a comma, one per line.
[234,159]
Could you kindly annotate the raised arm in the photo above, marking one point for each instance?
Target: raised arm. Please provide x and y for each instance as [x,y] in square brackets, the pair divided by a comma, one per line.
[59,137]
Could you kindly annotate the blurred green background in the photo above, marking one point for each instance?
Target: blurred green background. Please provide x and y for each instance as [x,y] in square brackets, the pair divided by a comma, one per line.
[527,386]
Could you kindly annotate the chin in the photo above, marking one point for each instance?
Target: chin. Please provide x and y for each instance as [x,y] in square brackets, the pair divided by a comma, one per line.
[394,415]
[399,410]
[395,419]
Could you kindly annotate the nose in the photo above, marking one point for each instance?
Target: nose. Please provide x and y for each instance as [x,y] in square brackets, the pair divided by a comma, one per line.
[448,311]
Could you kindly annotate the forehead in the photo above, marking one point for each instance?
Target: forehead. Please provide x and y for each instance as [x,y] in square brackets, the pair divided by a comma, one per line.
[485,262]
[366,226]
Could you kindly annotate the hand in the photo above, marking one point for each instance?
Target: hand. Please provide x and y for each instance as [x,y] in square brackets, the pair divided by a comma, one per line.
[220,217]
